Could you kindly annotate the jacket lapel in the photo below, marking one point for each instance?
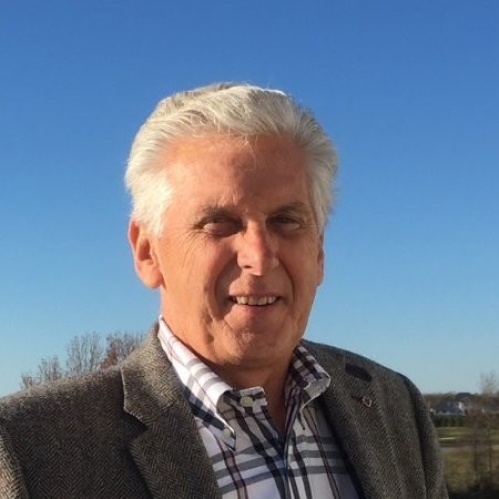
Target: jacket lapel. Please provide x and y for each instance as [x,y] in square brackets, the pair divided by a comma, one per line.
[171,456]
[169,445]
[352,406]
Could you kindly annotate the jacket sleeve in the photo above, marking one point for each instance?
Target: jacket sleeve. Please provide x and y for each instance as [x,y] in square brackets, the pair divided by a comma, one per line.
[12,485]
[430,448]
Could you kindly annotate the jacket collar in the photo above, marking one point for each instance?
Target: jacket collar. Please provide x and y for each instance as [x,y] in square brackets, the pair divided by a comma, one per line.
[169,444]
[353,405]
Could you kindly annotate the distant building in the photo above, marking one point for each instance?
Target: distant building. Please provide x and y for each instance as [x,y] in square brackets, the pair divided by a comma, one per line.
[462,404]
[450,408]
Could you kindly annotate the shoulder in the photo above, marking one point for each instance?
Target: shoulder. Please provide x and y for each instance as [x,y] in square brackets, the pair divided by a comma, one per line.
[345,358]
[97,392]
[76,428]
[62,425]
[387,411]
[352,365]
[393,397]
[62,400]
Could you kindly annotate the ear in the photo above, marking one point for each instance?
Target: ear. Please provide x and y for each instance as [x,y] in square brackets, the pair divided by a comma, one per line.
[145,261]
[320,261]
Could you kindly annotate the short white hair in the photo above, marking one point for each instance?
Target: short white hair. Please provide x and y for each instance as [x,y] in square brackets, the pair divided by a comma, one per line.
[226,108]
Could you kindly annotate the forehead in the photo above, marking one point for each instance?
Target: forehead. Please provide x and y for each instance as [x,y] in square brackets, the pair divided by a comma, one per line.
[232,158]
[258,175]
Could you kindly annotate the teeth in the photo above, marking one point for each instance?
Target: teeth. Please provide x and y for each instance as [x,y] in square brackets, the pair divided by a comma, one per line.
[254,300]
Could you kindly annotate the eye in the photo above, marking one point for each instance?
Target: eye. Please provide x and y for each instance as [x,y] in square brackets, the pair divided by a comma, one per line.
[285,223]
[221,227]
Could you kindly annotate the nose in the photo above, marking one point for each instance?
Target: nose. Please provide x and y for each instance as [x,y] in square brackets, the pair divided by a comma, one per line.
[257,250]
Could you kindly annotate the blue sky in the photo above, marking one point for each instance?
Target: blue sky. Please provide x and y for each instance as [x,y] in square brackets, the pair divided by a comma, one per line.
[408,91]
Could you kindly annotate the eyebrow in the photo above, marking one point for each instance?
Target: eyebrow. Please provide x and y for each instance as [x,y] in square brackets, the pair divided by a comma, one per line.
[297,207]
[210,212]
[217,210]
[232,211]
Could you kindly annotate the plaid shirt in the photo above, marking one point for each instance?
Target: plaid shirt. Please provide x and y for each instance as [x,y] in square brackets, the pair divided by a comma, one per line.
[250,456]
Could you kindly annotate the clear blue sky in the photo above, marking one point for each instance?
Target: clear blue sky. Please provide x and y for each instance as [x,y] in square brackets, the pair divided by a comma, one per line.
[408,90]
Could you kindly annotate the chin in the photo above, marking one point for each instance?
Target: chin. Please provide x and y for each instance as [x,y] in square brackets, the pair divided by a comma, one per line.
[261,351]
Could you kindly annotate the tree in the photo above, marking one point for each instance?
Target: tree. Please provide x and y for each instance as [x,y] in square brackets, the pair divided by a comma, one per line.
[119,347]
[85,354]
[48,370]
[483,421]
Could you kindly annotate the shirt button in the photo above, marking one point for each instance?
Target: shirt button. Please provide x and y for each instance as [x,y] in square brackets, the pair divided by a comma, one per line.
[247,402]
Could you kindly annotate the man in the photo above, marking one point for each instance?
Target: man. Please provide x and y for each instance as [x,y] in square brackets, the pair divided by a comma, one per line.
[231,189]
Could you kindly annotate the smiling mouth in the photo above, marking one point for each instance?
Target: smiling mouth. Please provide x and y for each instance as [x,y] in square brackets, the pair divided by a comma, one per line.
[254,301]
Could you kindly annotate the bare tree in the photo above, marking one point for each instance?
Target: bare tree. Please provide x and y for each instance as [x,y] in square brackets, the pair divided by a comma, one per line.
[48,370]
[85,354]
[489,384]
[119,346]
[489,388]
[483,420]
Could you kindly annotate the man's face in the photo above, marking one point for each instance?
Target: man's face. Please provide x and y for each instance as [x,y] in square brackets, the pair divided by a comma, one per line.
[240,257]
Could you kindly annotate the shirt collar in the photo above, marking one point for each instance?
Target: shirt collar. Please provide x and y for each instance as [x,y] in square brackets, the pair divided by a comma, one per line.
[194,374]
[306,377]
[306,380]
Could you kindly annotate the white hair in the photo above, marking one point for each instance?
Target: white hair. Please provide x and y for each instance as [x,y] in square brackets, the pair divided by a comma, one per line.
[236,109]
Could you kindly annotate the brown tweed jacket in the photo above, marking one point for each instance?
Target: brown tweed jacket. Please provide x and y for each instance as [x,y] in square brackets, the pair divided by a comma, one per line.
[128,433]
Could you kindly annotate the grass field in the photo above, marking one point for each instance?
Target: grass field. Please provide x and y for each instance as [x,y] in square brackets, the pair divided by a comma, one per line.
[462,436]
[467,461]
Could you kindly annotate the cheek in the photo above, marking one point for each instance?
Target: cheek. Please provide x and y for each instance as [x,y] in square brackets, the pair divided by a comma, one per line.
[222,271]
[308,265]
[178,261]
[209,267]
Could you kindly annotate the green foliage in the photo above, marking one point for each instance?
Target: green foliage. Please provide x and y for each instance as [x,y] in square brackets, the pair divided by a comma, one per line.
[450,421]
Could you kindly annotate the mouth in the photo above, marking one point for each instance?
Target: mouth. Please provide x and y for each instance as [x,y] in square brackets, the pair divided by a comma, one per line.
[254,301]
